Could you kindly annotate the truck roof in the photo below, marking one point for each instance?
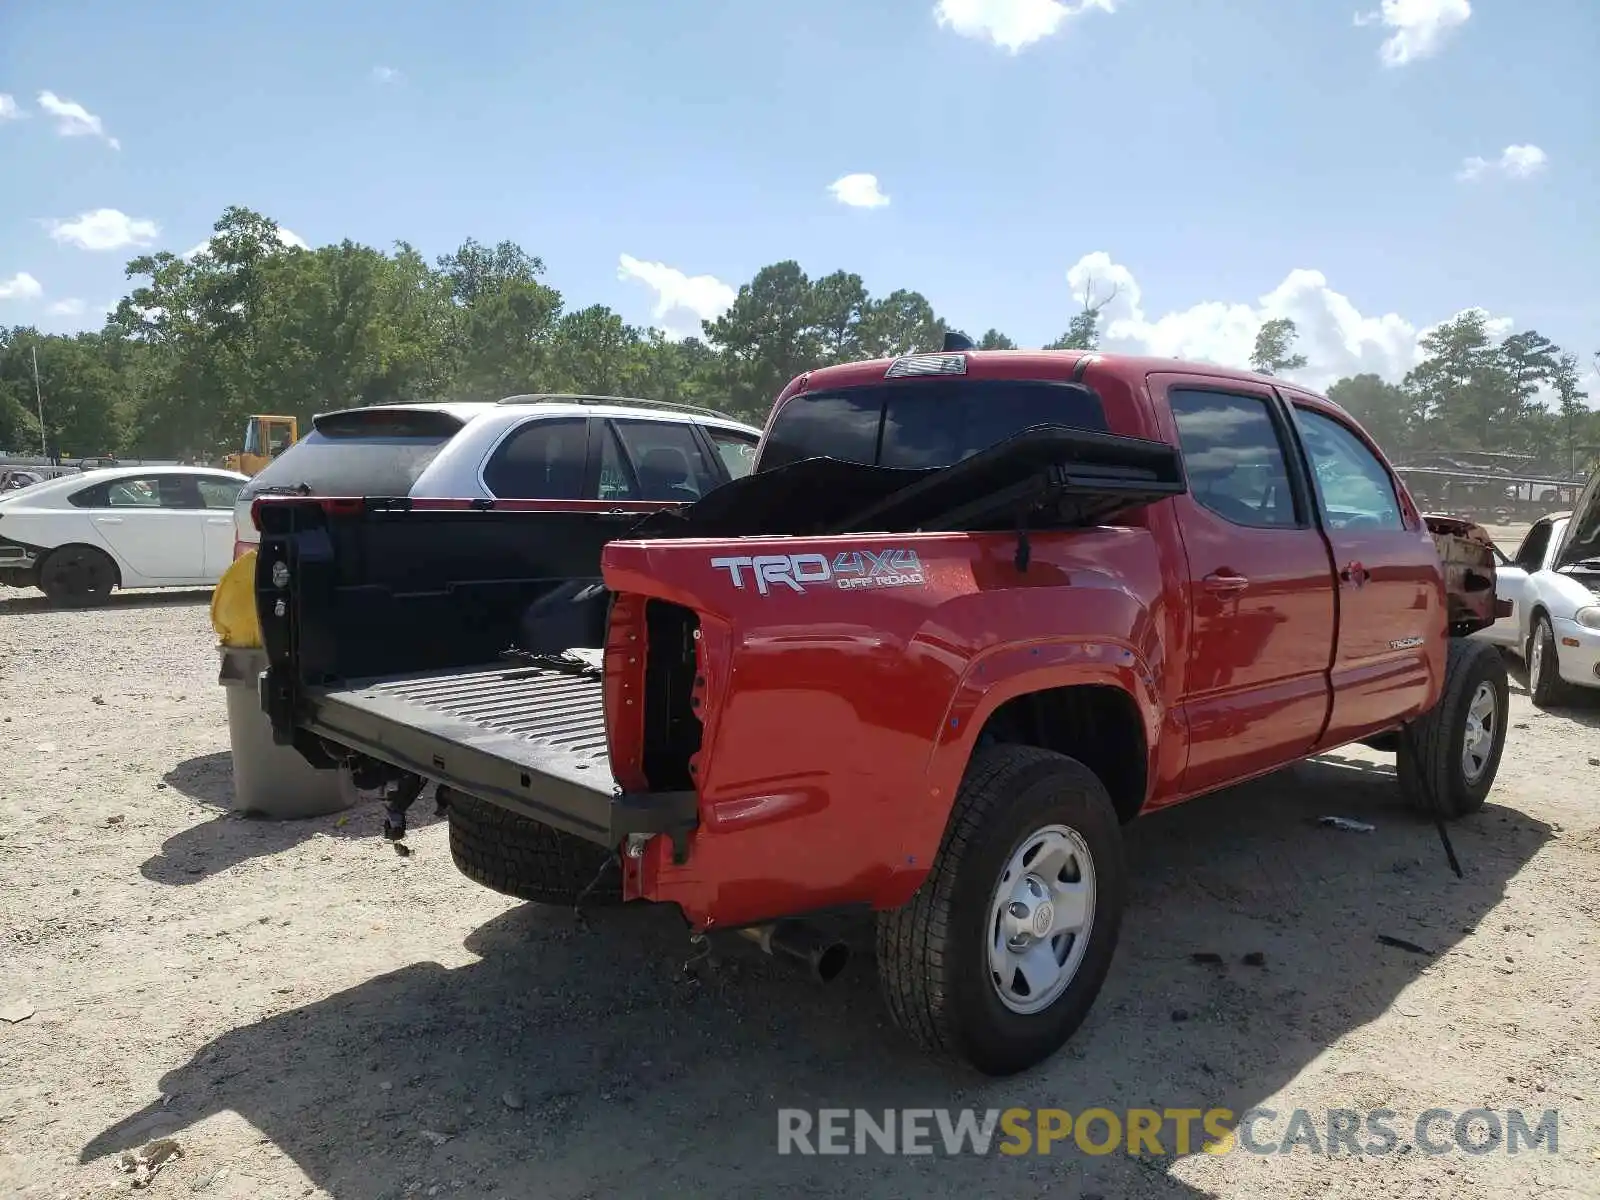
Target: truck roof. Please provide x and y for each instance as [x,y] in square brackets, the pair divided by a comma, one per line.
[1037,364]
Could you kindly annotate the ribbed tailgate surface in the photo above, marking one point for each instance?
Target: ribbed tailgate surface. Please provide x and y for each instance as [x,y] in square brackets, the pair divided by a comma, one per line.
[536,716]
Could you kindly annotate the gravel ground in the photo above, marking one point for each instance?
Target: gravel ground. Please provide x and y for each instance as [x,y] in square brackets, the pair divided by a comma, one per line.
[310,1013]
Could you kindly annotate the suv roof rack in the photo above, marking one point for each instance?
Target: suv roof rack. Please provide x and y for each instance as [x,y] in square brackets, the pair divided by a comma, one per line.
[623,401]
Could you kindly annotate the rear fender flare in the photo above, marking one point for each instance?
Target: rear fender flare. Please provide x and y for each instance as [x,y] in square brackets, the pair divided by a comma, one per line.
[1003,674]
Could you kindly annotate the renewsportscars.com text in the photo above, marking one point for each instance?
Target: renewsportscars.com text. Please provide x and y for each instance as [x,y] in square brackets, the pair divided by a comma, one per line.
[1165,1132]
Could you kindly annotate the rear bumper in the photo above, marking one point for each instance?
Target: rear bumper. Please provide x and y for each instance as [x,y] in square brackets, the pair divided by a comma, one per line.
[531,739]
[18,562]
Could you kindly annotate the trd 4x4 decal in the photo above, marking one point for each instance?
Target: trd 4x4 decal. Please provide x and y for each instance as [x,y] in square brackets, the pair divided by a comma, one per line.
[849,570]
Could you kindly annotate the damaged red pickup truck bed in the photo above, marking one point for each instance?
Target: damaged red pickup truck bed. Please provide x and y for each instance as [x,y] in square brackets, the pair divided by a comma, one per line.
[971,612]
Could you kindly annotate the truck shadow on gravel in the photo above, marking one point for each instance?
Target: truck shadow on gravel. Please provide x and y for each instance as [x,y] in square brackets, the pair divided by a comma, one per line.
[30,602]
[573,1062]
[231,837]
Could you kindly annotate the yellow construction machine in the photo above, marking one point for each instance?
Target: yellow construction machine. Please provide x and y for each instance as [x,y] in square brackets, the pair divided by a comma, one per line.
[265,437]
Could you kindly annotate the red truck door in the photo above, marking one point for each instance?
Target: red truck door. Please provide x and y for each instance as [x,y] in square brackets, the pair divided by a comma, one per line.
[1259,582]
[1391,640]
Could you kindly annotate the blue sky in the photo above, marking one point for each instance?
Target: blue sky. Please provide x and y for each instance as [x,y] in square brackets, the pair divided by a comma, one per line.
[1216,161]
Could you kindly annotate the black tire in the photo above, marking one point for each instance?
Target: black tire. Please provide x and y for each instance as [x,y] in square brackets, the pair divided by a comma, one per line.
[933,952]
[517,857]
[1431,765]
[1546,688]
[77,576]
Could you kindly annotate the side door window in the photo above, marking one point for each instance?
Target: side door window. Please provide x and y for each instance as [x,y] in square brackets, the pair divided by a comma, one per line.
[1234,458]
[667,460]
[218,492]
[736,450]
[1530,555]
[1355,489]
[217,495]
[545,458]
[616,476]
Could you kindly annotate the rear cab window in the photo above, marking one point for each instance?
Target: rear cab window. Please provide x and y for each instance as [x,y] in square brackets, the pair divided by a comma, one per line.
[922,423]
[359,452]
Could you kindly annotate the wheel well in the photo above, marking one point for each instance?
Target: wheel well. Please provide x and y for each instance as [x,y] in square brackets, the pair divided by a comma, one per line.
[1534,613]
[1096,724]
[116,567]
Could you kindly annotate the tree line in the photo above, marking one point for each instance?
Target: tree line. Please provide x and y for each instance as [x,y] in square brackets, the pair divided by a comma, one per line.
[253,326]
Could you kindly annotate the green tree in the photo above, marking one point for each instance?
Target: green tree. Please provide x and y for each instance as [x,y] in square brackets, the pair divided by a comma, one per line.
[1383,409]
[903,322]
[1529,362]
[593,351]
[766,337]
[840,306]
[995,340]
[1573,413]
[1274,349]
[79,386]
[1083,331]
[503,333]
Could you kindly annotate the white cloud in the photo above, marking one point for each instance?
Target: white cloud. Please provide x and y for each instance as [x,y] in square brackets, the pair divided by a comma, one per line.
[104,229]
[1336,338]
[67,308]
[682,301]
[287,237]
[385,75]
[20,286]
[1013,24]
[74,120]
[858,191]
[1419,27]
[9,111]
[1515,162]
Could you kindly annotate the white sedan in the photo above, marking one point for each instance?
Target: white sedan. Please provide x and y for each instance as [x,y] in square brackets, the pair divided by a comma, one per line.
[1553,583]
[78,537]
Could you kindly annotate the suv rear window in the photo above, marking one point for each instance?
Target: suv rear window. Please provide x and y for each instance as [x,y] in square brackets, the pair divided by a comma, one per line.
[927,423]
[363,452]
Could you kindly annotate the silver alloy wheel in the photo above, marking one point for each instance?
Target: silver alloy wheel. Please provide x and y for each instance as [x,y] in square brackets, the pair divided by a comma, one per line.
[1478,742]
[1536,659]
[1040,917]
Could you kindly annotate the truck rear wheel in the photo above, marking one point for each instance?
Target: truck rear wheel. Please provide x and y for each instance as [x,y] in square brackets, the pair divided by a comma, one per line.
[1449,756]
[517,857]
[998,956]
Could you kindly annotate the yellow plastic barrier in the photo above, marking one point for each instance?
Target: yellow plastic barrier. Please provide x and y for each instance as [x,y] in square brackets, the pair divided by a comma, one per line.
[233,605]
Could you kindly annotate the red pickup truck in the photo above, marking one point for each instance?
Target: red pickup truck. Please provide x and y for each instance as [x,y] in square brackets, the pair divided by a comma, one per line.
[970,614]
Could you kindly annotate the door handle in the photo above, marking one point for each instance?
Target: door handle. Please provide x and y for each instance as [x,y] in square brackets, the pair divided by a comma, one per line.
[219,520]
[1355,573]
[1225,582]
[108,520]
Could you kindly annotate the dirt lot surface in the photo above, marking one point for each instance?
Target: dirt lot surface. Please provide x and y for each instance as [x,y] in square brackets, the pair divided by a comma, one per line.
[310,1013]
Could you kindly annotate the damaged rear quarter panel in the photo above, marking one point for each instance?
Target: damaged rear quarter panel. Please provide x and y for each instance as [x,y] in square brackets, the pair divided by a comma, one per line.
[841,708]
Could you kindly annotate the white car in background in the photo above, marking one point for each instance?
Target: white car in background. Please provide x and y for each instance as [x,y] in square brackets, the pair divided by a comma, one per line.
[1553,583]
[533,447]
[78,537]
